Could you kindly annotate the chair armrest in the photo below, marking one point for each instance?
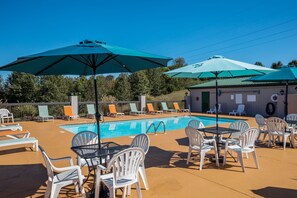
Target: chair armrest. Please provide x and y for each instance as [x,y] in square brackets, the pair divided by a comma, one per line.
[62,159]
[100,167]
[67,168]
[209,140]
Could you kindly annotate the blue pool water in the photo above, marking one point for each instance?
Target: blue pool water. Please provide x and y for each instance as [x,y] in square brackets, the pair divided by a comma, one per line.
[133,127]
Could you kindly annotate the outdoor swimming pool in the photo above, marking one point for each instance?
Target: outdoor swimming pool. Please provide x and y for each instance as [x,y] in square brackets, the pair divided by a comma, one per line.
[133,127]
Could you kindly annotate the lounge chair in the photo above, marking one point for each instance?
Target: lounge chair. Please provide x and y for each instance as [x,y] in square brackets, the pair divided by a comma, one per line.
[15,134]
[165,108]
[5,114]
[91,111]
[176,107]
[211,111]
[68,113]
[43,113]
[151,109]
[240,110]
[20,141]
[134,109]
[113,111]
[12,127]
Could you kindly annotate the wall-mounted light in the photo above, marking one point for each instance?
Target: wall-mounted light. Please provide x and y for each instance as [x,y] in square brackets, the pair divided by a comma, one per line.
[281,92]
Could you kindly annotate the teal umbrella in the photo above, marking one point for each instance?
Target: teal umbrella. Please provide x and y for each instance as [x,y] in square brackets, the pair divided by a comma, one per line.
[87,58]
[284,74]
[218,67]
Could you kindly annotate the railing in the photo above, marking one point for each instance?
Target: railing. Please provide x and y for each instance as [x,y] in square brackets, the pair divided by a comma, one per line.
[156,128]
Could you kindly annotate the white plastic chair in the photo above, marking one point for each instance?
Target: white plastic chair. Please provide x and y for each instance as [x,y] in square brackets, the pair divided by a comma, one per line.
[240,110]
[262,126]
[293,117]
[280,128]
[60,177]
[142,141]
[123,168]
[85,138]
[246,145]
[198,143]
[5,114]
[214,110]
[196,124]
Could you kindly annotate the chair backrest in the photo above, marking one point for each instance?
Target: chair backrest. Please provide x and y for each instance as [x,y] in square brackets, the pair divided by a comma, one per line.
[112,108]
[176,106]
[292,117]
[68,110]
[240,108]
[150,107]
[164,106]
[239,125]
[133,107]
[196,124]
[91,108]
[260,120]
[277,125]
[4,112]
[48,164]
[85,138]
[195,137]
[43,110]
[141,141]
[247,139]
[125,164]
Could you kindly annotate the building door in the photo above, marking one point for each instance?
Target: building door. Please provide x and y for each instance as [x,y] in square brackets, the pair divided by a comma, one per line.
[205,101]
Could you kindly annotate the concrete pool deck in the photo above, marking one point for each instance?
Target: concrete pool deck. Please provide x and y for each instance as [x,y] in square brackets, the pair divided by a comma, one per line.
[22,172]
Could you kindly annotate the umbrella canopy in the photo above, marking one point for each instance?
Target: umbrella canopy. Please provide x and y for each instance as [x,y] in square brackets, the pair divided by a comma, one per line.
[284,74]
[87,58]
[218,67]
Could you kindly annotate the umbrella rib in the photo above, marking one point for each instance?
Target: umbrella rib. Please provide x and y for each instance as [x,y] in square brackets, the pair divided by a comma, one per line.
[79,61]
[49,66]
[161,65]
[107,59]
[26,60]
[124,66]
[87,62]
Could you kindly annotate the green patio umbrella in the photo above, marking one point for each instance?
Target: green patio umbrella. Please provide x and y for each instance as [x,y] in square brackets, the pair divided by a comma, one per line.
[284,74]
[87,58]
[218,67]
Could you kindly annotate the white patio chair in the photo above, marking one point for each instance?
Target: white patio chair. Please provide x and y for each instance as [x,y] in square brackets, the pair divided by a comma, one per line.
[214,110]
[292,117]
[262,126]
[61,177]
[196,124]
[240,125]
[5,114]
[246,145]
[142,141]
[240,110]
[280,128]
[198,143]
[123,172]
[85,138]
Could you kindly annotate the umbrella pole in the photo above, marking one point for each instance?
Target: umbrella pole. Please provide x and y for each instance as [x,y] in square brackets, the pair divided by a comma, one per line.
[97,114]
[286,101]
[217,105]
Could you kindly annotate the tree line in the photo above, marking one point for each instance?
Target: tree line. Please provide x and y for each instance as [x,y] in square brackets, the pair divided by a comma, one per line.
[22,87]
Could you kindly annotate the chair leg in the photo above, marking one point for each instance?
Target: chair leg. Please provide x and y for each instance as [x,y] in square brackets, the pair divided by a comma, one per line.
[189,155]
[202,156]
[225,156]
[217,158]
[138,190]
[55,191]
[255,158]
[97,186]
[129,190]
[48,189]
[76,187]
[143,176]
[265,134]
[240,158]
[124,192]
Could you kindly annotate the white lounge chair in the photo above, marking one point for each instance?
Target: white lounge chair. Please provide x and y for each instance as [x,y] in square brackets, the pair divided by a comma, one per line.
[142,141]
[43,113]
[198,143]
[134,110]
[12,127]
[211,111]
[240,110]
[165,108]
[12,142]
[122,172]
[91,111]
[5,114]
[61,177]
[244,146]
[262,126]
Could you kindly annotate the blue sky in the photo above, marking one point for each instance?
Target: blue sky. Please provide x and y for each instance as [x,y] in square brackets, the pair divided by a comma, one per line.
[254,30]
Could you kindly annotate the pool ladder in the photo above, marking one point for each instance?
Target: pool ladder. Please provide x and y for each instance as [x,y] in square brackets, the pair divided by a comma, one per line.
[156,128]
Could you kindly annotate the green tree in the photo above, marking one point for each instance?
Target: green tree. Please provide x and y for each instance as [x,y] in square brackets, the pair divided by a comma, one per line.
[21,87]
[139,84]
[156,81]
[122,88]
[276,65]
[259,63]
[293,62]
[2,89]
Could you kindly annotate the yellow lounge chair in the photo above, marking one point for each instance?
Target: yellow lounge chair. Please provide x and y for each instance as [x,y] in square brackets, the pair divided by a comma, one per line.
[176,107]
[68,113]
[151,109]
[113,111]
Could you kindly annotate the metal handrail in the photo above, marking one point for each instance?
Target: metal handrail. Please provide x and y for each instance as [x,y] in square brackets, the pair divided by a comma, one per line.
[164,127]
[153,124]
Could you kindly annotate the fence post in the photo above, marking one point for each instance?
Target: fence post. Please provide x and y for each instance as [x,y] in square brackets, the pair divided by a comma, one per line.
[142,101]
[74,104]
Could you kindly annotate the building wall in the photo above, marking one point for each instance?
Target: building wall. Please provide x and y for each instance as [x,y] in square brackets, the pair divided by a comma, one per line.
[262,94]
